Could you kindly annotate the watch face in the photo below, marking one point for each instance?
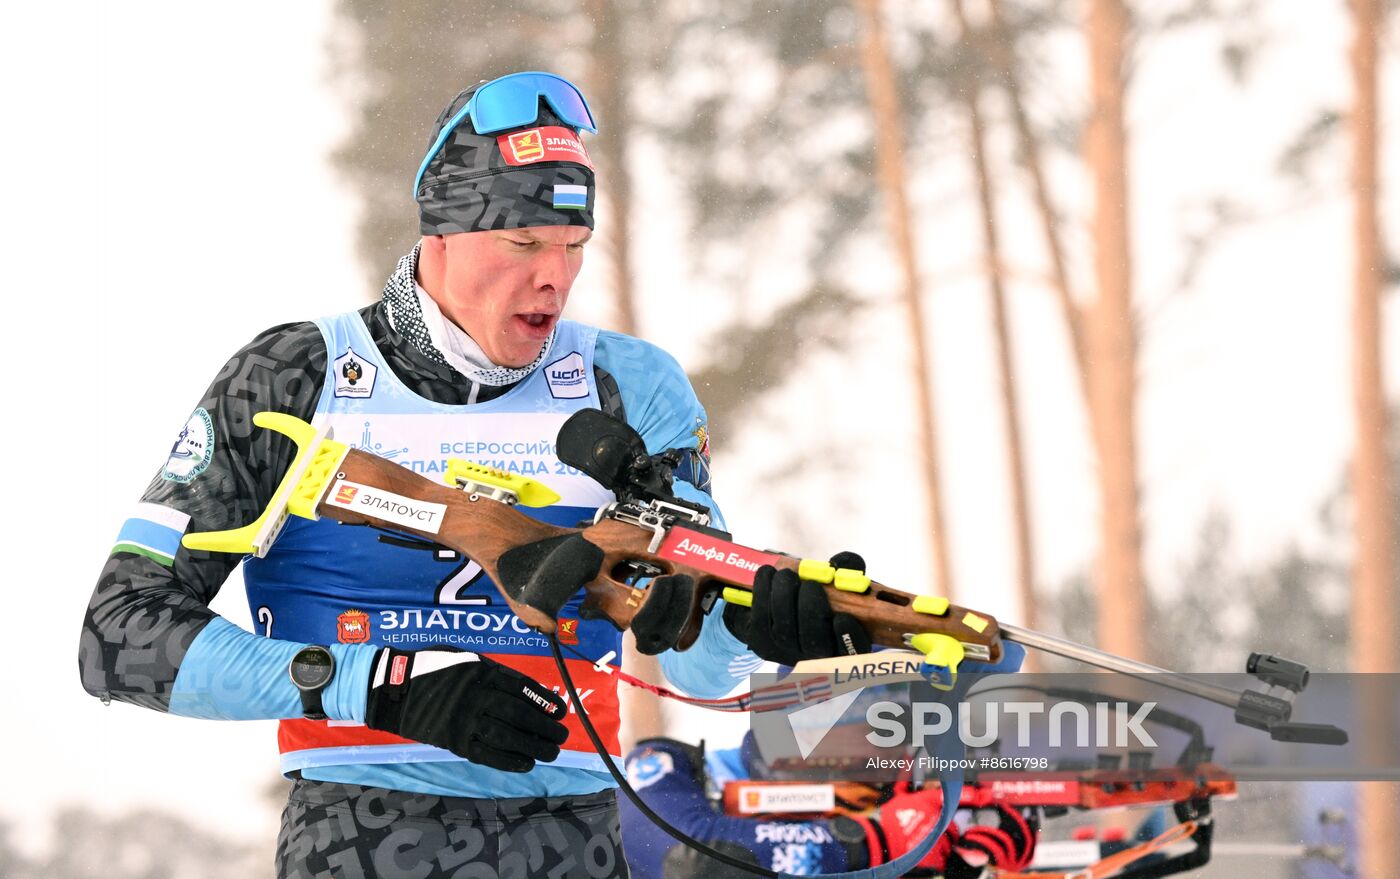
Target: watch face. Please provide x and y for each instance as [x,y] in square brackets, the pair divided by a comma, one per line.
[311,668]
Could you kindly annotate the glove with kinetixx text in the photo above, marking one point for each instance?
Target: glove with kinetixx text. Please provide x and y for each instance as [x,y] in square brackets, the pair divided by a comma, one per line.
[792,620]
[468,704]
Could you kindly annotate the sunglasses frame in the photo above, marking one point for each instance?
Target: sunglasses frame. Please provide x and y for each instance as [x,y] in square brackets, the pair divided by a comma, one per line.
[471,110]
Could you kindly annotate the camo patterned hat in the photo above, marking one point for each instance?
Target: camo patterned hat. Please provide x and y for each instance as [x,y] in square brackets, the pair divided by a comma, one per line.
[538,174]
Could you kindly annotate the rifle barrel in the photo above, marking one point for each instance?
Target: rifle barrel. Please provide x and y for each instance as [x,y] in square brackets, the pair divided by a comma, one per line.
[1112,662]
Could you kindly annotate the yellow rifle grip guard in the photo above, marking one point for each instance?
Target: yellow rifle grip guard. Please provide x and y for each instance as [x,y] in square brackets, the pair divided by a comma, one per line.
[940,651]
[318,457]
[931,605]
[741,597]
[816,570]
[850,580]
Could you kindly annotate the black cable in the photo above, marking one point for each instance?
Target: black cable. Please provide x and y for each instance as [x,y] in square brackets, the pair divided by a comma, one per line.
[622,783]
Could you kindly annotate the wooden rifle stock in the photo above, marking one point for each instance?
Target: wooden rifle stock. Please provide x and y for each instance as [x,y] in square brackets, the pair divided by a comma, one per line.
[484,529]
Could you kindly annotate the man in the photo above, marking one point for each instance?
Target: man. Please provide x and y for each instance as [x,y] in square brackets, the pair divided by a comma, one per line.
[867,827]
[421,719]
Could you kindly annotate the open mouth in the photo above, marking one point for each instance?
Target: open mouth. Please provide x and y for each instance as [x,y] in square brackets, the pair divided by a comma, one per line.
[537,324]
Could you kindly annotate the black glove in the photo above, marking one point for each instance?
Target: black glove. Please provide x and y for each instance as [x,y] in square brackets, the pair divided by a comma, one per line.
[474,707]
[545,574]
[791,619]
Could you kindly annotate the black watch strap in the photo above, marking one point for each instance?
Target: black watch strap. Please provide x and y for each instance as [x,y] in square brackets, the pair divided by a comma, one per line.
[311,670]
[311,707]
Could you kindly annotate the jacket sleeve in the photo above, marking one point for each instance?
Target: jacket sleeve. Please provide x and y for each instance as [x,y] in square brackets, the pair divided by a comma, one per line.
[661,406]
[149,637]
[671,778]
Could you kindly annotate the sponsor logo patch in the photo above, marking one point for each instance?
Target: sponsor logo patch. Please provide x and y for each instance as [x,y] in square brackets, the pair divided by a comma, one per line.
[354,375]
[788,798]
[567,631]
[387,506]
[352,627]
[713,555]
[524,147]
[566,377]
[193,449]
[546,706]
[399,669]
[550,143]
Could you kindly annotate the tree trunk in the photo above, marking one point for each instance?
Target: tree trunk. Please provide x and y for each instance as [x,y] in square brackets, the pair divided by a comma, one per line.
[1029,145]
[889,166]
[641,713]
[1112,342]
[609,76]
[1020,494]
[1373,645]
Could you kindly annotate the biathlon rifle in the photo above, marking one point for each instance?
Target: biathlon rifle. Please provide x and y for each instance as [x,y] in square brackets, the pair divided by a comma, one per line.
[1188,792]
[1057,792]
[649,533]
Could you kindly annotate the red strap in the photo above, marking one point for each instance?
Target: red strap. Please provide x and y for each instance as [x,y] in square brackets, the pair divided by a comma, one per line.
[995,842]
[774,697]
[874,841]
[1022,837]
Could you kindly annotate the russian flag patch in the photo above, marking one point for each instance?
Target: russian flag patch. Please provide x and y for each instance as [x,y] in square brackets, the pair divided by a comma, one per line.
[154,531]
[570,196]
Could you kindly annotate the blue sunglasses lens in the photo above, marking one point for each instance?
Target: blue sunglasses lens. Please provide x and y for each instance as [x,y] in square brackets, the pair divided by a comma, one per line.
[513,101]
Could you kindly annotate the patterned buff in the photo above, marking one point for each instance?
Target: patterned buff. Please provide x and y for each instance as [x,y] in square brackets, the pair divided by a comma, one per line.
[539,175]
[408,318]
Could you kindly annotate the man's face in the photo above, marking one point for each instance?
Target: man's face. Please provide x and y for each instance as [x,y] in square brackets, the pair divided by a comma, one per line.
[507,288]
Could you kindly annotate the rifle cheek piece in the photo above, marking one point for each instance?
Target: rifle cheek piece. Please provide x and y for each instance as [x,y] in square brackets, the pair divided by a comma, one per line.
[545,574]
[662,618]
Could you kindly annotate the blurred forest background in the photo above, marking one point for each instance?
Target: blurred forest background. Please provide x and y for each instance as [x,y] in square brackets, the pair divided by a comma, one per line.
[813,164]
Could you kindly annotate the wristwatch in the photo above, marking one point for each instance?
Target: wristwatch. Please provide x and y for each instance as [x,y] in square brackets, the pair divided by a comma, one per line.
[311,670]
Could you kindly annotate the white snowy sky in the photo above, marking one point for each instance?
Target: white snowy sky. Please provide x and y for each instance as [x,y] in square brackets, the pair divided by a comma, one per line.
[166,196]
